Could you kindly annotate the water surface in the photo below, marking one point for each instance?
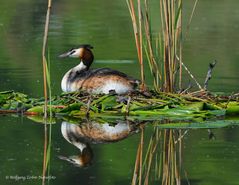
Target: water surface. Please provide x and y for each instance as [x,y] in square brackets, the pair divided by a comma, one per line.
[106,25]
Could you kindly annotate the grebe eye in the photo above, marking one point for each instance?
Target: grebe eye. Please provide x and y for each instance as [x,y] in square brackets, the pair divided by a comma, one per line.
[73,51]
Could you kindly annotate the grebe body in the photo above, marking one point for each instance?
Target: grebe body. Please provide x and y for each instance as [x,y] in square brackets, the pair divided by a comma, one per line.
[102,80]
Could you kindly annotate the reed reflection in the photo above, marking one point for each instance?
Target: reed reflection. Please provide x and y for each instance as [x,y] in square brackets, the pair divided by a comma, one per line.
[160,160]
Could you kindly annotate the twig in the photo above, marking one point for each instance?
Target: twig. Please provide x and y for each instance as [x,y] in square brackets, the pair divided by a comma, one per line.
[209,74]
[181,137]
[7,111]
[237,94]
[127,106]
[88,106]
[211,134]
[190,74]
[187,89]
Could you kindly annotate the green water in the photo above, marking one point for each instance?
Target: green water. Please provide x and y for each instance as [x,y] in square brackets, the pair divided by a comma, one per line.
[106,25]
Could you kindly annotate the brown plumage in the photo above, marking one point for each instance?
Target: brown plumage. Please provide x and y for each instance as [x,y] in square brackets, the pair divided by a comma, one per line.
[97,81]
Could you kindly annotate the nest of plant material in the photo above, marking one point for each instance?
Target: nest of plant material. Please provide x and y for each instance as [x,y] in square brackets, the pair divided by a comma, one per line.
[150,105]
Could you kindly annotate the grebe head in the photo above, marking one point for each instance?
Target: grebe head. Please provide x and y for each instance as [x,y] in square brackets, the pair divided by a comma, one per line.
[84,159]
[83,52]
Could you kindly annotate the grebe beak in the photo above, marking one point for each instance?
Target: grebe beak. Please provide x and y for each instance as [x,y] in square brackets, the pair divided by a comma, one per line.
[65,54]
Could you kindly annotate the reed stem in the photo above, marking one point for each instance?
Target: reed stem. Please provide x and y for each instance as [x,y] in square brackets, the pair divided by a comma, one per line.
[165,58]
[138,35]
[44,63]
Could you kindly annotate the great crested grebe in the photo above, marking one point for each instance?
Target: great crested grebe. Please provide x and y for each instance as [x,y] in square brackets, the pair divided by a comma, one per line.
[102,80]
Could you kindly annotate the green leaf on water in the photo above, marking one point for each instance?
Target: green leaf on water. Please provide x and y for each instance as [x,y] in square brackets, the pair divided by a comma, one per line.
[198,106]
[197,125]
[72,107]
[108,103]
[41,119]
[40,109]
[232,108]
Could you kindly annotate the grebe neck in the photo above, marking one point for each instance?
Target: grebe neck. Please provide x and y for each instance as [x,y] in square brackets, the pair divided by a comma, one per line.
[80,67]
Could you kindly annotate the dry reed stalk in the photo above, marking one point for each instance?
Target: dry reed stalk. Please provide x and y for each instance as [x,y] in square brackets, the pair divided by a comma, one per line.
[169,166]
[137,28]
[168,53]
[171,24]
[160,157]
[141,44]
[181,47]
[167,46]
[165,163]
[180,150]
[138,162]
[185,37]
[141,155]
[179,38]
[171,160]
[44,156]
[149,50]
[178,159]
[152,151]
[44,63]
[135,174]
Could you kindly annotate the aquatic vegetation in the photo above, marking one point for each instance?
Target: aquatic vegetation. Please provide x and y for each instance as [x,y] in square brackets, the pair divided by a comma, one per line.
[135,106]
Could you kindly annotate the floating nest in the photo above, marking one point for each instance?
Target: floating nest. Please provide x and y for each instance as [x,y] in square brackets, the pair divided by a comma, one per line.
[199,106]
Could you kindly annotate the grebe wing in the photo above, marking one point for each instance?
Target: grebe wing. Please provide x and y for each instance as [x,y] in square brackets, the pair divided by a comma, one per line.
[105,72]
[84,74]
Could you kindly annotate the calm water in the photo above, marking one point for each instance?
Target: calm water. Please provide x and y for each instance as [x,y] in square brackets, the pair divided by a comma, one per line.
[106,25]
